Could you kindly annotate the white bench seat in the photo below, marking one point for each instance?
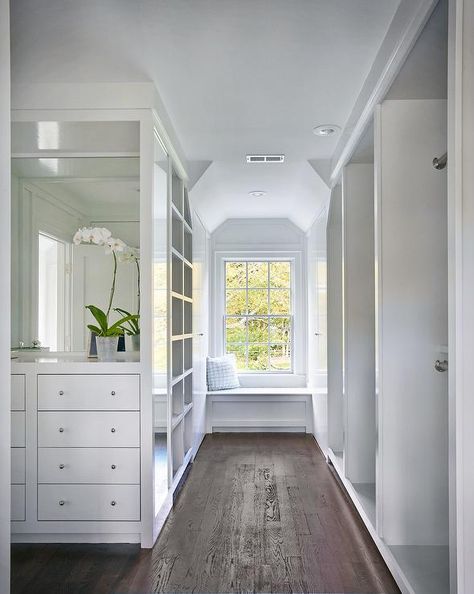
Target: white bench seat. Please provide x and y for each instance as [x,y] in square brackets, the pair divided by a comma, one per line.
[241,390]
[259,409]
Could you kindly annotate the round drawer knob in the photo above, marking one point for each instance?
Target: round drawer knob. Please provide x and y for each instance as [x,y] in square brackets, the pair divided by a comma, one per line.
[61,429]
[113,392]
[113,467]
[113,503]
[113,430]
[61,466]
[62,502]
[61,392]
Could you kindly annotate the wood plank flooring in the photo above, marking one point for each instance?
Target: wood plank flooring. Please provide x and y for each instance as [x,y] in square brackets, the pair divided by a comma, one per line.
[259,513]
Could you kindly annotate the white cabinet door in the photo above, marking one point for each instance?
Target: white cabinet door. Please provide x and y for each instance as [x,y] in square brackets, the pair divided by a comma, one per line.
[88,392]
[89,465]
[89,429]
[89,502]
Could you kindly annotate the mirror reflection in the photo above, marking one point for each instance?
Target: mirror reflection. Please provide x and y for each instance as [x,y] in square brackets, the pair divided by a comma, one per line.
[75,242]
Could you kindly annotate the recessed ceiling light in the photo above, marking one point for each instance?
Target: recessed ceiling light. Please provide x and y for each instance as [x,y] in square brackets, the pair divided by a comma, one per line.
[257,193]
[326,130]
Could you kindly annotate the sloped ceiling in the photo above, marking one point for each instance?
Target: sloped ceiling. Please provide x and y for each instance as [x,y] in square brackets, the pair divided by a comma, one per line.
[236,77]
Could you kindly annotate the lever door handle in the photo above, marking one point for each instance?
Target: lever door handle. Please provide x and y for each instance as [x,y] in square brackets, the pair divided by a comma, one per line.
[441,365]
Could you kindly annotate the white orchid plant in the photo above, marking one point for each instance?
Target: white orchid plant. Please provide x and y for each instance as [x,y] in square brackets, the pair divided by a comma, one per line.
[120,251]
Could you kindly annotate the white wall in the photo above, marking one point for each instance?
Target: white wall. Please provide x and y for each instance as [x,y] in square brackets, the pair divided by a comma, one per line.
[317,326]
[200,327]
[359,323]
[267,238]
[5,297]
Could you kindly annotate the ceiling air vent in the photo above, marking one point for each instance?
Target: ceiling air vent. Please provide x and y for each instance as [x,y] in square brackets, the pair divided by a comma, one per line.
[265,158]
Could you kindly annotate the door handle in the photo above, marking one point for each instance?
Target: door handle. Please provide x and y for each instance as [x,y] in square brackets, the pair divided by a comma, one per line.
[441,365]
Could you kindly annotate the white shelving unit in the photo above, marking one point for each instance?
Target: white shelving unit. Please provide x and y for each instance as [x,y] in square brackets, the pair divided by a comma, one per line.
[181,331]
[399,488]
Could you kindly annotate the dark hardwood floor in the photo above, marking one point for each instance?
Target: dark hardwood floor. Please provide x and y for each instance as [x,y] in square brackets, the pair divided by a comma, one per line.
[259,513]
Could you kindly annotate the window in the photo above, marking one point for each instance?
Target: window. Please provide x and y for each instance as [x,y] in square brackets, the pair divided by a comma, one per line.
[258,315]
[52,287]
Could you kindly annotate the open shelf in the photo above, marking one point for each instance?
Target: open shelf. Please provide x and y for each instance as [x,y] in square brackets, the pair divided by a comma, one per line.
[426,568]
[176,274]
[176,316]
[188,354]
[366,496]
[177,446]
[177,358]
[188,245]
[177,232]
[188,430]
[177,193]
[188,281]
[188,317]
[188,389]
[187,209]
[177,397]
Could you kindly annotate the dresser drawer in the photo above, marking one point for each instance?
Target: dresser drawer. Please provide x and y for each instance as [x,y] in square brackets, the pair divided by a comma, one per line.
[18,429]
[18,512]
[89,465]
[89,429]
[88,392]
[18,456]
[89,502]
[18,392]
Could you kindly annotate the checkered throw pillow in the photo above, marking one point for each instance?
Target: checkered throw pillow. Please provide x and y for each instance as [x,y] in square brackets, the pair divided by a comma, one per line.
[222,373]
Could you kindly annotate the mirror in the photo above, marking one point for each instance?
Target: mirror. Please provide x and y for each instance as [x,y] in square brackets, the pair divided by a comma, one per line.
[54,277]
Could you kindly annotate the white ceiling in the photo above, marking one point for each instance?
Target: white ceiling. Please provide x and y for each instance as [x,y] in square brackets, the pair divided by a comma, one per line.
[236,76]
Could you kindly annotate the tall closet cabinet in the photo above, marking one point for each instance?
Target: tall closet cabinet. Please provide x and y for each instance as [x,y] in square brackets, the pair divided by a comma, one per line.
[388,283]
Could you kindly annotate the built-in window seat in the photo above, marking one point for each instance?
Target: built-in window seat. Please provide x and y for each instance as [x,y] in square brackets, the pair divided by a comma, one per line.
[260,409]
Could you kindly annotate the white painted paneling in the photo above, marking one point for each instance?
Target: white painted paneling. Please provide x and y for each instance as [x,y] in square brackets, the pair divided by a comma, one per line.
[335,326]
[317,327]
[200,328]
[412,326]
[359,323]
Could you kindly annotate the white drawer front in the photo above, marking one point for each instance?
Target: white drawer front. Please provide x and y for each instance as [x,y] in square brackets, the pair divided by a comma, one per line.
[89,502]
[88,392]
[89,465]
[18,466]
[18,392]
[18,503]
[89,429]
[18,429]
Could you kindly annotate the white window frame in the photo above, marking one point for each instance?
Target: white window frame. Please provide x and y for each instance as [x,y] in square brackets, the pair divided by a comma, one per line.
[298,306]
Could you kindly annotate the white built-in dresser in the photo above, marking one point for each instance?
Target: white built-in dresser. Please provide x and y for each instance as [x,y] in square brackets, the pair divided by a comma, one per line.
[76,450]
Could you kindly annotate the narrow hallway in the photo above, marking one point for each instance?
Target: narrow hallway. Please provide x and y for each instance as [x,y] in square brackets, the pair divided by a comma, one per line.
[258,513]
